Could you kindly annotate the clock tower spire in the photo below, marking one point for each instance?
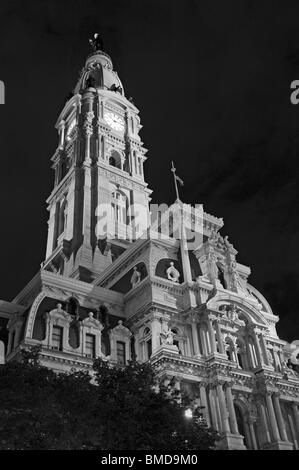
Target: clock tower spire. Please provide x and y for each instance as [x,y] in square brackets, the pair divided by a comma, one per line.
[98,167]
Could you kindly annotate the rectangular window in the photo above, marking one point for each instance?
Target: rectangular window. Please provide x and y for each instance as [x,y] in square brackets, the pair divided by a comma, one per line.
[57,336]
[90,345]
[121,352]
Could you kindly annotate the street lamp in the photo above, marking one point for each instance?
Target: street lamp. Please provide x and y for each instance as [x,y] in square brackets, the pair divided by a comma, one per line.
[188,413]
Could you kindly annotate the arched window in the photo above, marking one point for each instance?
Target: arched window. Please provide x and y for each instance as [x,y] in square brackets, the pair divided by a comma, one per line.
[221,276]
[94,78]
[112,161]
[115,160]
[62,219]
[119,207]
[72,307]
[241,423]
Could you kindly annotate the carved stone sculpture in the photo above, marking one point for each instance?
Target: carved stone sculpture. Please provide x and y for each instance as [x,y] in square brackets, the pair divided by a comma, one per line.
[172,273]
[136,277]
[232,313]
[270,357]
[167,337]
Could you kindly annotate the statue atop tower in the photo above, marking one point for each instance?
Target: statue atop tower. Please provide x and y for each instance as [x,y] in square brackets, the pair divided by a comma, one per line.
[96,43]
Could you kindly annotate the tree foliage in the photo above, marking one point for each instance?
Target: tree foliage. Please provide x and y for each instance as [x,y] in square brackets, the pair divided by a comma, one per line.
[120,408]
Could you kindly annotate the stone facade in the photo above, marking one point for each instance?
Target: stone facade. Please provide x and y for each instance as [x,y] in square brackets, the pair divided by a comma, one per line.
[191,312]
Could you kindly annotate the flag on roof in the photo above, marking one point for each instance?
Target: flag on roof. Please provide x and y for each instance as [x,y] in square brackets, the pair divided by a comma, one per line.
[179,180]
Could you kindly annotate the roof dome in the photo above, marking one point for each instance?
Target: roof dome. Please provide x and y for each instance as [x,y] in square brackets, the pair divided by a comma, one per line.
[98,73]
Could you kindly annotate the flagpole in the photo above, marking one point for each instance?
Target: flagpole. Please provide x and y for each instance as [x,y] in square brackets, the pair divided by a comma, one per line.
[175,182]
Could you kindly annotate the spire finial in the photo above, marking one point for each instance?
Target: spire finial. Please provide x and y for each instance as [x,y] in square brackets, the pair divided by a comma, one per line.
[96,43]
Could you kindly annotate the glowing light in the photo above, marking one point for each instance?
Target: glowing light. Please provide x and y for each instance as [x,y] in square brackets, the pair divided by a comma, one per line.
[188,413]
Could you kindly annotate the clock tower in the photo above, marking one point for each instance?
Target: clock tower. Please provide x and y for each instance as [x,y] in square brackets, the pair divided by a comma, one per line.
[99,180]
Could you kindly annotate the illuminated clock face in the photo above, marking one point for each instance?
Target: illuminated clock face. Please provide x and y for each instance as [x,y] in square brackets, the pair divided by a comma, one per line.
[114,121]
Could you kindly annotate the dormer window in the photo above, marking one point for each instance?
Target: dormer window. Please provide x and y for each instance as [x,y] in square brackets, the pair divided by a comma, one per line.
[90,345]
[94,78]
[121,352]
[57,337]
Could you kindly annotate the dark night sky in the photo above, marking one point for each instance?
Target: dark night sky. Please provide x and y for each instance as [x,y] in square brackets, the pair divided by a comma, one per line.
[212,82]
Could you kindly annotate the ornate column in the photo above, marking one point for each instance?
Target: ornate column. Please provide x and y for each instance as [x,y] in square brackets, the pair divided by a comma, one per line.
[61,133]
[213,409]
[203,342]
[281,424]
[218,412]
[177,386]
[264,346]
[219,338]
[100,116]
[195,338]
[87,125]
[223,410]
[257,349]
[262,413]
[250,359]
[99,135]
[88,134]
[189,342]
[156,330]
[103,151]
[212,336]
[252,433]
[231,410]
[204,402]
[296,416]
[272,417]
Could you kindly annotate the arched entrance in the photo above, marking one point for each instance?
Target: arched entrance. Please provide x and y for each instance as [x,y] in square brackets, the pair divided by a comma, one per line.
[240,422]
[247,430]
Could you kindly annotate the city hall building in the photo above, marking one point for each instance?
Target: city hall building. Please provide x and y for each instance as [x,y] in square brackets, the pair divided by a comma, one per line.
[113,285]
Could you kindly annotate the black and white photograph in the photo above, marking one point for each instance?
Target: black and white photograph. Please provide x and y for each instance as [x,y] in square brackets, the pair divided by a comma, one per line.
[149,228]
